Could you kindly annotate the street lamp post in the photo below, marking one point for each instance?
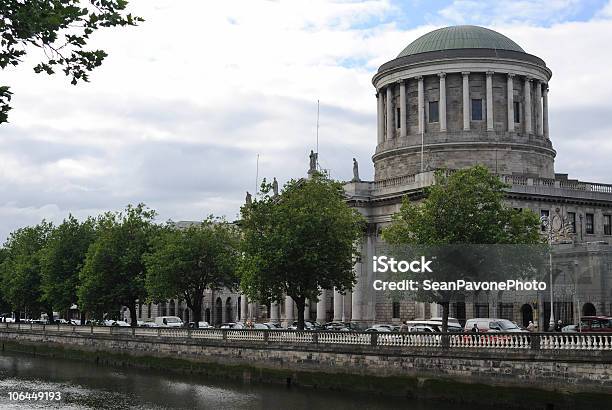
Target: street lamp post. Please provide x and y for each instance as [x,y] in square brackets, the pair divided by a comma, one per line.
[557,229]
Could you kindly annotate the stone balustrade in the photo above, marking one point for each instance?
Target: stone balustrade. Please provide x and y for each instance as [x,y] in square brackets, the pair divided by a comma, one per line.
[525,341]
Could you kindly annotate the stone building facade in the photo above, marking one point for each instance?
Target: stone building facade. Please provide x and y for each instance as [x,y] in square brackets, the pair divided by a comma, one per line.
[454,98]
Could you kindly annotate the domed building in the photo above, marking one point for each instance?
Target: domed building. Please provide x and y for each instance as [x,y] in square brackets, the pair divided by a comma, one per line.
[457,97]
[453,98]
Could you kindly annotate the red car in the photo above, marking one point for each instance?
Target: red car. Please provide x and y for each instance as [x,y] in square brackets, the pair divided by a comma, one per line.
[596,324]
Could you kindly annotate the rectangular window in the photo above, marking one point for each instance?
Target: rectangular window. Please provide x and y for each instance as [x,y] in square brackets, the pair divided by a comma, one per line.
[506,311]
[517,112]
[481,310]
[607,224]
[477,110]
[571,220]
[433,111]
[398,117]
[396,310]
[544,213]
[590,224]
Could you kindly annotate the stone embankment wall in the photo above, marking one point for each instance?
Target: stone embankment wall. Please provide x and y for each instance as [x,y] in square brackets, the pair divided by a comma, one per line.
[561,378]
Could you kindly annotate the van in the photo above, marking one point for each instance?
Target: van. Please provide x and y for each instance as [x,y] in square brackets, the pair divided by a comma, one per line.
[168,321]
[487,324]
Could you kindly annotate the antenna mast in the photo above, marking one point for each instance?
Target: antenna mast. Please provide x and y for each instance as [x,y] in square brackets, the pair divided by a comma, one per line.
[257,176]
[317,132]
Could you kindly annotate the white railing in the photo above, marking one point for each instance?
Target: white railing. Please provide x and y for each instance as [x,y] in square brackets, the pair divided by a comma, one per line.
[395,181]
[521,341]
[491,341]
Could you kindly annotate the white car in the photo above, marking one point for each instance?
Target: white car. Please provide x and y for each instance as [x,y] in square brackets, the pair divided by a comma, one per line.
[169,321]
[116,323]
[380,328]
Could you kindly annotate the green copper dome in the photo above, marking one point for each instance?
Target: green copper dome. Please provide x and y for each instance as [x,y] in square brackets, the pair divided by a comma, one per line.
[455,37]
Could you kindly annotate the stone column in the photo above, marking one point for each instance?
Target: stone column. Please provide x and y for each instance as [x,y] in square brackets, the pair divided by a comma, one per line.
[307,309]
[252,313]
[243,308]
[288,310]
[322,307]
[421,94]
[527,91]
[338,306]
[466,100]
[347,301]
[390,124]
[403,130]
[545,111]
[442,103]
[274,312]
[381,116]
[490,101]
[538,107]
[356,302]
[510,103]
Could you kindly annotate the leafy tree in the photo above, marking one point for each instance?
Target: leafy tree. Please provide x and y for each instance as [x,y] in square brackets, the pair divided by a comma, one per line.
[113,274]
[61,260]
[466,207]
[299,242]
[183,263]
[61,29]
[20,270]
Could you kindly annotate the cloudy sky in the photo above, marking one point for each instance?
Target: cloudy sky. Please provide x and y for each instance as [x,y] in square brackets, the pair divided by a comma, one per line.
[185,102]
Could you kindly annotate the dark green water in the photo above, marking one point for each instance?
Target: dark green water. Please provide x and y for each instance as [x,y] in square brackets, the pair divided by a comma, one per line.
[85,385]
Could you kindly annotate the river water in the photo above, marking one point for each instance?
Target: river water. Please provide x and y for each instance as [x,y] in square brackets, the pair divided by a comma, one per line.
[85,385]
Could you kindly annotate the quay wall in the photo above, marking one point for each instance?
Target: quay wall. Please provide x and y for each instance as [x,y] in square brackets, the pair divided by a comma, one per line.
[560,378]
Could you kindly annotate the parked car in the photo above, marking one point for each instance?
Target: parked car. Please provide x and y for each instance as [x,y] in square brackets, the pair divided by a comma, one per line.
[232,325]
[596,324]
[569,329]
[336,326]
[273,326]
[308,325]
[169,321]
[435,325]
[260,326]
[492,325]
[424,329]
[451,321]
[380,328]
[116,323]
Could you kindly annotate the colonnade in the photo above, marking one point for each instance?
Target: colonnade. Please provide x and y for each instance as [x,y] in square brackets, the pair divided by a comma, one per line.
[388,125]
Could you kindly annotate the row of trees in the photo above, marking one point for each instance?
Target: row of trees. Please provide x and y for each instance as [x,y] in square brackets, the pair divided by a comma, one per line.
[293,243]
[114,260]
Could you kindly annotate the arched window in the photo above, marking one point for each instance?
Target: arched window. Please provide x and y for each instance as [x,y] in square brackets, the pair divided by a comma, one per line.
[149,311]
[588,309]
[218,311]
[163,309]
[172,308]
[229,317]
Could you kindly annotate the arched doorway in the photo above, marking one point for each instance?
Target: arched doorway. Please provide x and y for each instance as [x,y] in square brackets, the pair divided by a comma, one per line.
[228,310]
[186,316]
[588,309]
[163,310]
[172,308]
[527,314]
[218,311]
[207,315]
